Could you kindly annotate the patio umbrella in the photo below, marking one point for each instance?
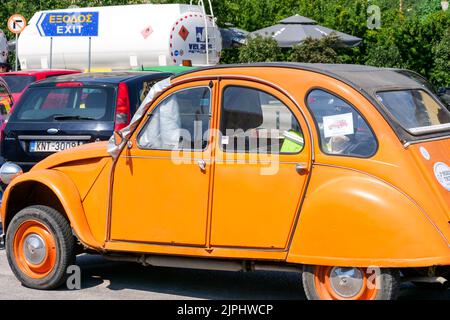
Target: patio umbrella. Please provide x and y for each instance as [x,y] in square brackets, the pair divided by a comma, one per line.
[296,29]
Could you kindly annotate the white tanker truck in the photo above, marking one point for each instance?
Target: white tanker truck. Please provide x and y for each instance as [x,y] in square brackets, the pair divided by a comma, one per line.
[120,37]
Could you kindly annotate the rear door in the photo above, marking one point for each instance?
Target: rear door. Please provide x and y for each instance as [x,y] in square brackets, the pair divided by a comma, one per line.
[261,170]
[56,118]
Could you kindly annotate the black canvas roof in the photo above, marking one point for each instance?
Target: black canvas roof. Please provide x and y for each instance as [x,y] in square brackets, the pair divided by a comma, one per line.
[366,79]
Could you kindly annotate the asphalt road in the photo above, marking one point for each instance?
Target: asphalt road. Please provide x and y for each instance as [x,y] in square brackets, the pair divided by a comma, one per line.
[103,280]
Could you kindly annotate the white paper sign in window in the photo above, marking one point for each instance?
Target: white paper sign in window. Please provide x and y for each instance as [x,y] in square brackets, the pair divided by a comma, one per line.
[338,125]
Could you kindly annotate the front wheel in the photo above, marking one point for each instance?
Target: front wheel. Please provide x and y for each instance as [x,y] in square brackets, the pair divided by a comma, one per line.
[339,283]
[40,247]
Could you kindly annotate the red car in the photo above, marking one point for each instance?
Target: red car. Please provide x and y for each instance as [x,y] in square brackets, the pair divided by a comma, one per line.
[19,81]
[6,100]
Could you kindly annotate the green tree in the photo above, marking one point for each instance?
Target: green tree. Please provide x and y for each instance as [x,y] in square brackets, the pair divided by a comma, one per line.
[317,51]
[441,67]
[425,7]
[385,56]
[260,49]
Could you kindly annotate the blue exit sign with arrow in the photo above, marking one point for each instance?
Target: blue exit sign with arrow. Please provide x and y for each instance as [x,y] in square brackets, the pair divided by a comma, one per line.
[68,24]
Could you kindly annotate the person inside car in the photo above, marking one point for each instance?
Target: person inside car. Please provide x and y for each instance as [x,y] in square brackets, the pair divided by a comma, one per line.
[5,67]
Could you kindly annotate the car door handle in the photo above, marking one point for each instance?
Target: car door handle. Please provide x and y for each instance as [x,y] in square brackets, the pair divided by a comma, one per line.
[301,168]
[202,165]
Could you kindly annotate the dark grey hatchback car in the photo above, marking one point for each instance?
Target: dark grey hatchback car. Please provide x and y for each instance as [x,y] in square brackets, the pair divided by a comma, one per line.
[67,111]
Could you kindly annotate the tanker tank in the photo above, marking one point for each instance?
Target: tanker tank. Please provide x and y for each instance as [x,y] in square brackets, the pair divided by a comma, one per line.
[129,36]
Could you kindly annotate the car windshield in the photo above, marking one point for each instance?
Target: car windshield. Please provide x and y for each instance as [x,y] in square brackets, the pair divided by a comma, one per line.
[18,83]
[416,110]
[65,104]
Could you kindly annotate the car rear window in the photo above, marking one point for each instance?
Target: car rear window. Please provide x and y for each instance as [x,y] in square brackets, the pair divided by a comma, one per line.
[416,110]
[66,103]
[18,83]
[342,129]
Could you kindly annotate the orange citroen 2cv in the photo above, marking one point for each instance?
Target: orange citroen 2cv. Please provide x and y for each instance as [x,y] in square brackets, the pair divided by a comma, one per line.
[340,172]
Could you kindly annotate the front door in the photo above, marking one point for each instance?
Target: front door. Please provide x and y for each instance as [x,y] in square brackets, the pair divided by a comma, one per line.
[161,183]
[262,163]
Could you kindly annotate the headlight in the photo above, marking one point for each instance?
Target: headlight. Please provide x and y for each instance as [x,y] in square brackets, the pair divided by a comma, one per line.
[9,171]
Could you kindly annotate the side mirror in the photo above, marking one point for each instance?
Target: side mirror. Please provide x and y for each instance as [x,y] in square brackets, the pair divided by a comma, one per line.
[115,144]
[118,138]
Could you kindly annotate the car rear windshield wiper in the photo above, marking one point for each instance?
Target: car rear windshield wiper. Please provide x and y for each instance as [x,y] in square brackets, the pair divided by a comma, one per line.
[68,118]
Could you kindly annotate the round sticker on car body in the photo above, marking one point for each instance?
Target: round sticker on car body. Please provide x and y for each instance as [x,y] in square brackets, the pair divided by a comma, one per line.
[442,173]
[425,153]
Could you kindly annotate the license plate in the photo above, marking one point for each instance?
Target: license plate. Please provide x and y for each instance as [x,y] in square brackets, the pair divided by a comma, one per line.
[53,146]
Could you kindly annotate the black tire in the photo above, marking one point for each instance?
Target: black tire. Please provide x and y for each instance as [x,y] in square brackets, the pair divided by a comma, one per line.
[389,284]
[64,240]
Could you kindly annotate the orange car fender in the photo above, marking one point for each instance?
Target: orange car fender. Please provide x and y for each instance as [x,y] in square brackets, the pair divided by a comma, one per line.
[66,192]
[350,218]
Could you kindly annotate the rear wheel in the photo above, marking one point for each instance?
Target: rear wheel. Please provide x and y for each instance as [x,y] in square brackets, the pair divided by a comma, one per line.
[339,283]
[40,247]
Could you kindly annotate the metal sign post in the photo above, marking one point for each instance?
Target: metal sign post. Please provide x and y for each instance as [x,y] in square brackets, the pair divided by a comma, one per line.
[90,52]
[16,67]
[51,53]
[16,24]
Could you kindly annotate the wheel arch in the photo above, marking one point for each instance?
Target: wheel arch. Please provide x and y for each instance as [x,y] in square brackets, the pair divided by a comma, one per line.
[53,189]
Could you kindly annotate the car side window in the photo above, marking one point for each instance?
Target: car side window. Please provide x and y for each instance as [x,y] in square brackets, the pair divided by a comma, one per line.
[4,94]
[342,129]
[180,122]
[3,91]
[254,121]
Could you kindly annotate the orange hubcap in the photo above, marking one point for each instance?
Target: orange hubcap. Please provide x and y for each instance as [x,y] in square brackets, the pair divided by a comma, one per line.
[34,249]
[336,283]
